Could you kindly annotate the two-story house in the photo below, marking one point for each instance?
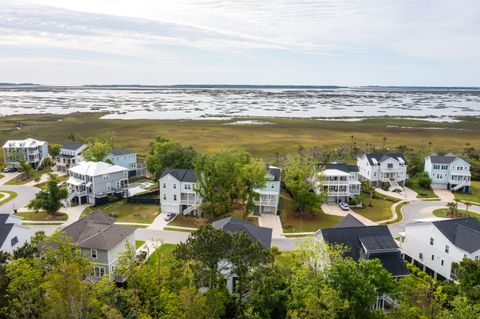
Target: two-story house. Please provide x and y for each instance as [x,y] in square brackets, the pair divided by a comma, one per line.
[178,191]
[124,158]
[32,151]
[93,182]
[13,234]
[379,169]
[448,172]
[70,155]
[269,195]
[101,241]
[339,181]
[436,244]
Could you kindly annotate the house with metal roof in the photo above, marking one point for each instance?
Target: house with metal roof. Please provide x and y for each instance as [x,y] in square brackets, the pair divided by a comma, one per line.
[379,169]
[435,245]
[13,234]
[127,159]
[339,181]
[368,242]
[70,155]
[31,150]
[448,172]
[93,182]
[269,195]
[178,191]
[102,241]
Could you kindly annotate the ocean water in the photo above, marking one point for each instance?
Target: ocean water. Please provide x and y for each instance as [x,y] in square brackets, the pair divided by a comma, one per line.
[224,102]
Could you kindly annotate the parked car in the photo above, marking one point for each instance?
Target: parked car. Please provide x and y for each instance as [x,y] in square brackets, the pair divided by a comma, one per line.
[344,206]
[169,216]
[10,169]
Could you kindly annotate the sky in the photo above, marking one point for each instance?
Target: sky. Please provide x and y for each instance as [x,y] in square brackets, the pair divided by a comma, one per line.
[314,42]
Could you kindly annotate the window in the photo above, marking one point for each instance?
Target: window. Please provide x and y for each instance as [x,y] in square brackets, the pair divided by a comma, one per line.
[14,241]
[441,263]
[164,185]
[98,271]
[433,257]
[420,255]
[273,186]
[390,165]
[93,253]
[174,197]
[477,258]
[447,249]
[431,241]
[174,186]
[164,196]
[105,176]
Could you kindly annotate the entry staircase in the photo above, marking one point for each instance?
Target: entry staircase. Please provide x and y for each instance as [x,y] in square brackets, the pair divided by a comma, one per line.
[394,186]
[190,209]
[458,186]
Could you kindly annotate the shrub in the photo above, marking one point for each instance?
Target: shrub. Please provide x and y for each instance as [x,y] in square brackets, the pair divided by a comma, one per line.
[424,180]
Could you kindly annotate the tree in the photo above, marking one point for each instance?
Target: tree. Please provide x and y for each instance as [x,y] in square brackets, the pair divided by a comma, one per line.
[468,274]
[252,178]
[424,180]
[299,177]
[197,305]
[24,166]
[49,199]
[54,150]
[98,148]
[165,153]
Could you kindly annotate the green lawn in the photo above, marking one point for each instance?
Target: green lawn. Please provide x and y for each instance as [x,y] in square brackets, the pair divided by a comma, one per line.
[163,255]
[2,176]
[474,196]
[442,212]
[177,229]
[60,179]
[378,211]
[42,216]
[422,192]
[125,212]
[398,210]
[33,175]
[306,223]
[285,260]
[139,243]
[4,199]
[195,222]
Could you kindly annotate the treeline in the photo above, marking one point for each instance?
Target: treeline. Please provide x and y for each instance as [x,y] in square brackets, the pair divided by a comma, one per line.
[47,280]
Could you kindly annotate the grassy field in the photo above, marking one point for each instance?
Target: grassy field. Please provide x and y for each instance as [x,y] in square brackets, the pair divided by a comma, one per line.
[307,223]
[422,192]
[42,216]
[162,255]
[125,212]
[380,209]
[2,176]
[474,196]
[442,212]
[60,179]
[286,135]
[4,199]
[33,175]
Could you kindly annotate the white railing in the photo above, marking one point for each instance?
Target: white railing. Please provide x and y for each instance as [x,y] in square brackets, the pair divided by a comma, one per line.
[190,209]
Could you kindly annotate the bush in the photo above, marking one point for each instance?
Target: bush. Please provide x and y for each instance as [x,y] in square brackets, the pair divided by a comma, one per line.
[424,180]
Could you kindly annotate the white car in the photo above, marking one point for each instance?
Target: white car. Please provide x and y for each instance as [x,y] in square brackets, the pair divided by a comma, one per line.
[344,206]
[169,216]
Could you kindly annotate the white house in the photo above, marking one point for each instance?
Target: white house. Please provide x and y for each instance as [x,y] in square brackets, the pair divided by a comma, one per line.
[93,182]
[101,241]
[383,168]
[177,191]
[339,181]
[270,193]
[435,244]
[33,151]
[448,172]
[70,155]
[13,234]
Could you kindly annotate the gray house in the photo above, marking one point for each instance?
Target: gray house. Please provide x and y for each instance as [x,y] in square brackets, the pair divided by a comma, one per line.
[70,155]
[178,191]
[93,182]
[100,240]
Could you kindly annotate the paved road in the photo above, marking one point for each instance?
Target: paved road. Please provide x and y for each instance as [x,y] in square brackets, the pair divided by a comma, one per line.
[25,195]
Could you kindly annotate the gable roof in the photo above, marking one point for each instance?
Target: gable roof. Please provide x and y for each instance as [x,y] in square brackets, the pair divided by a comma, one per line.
[349,221]
[372,158]
[5,227]
[181,174]
[97,231]
[462,232]
[96,168]
[341,166]
[256,233]
[29,142]
[119,151]
[72,146]
[445,159]
[276,172]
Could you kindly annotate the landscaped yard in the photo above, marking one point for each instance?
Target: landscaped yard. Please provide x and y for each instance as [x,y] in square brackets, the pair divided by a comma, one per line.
[139,243]
[125,212]
[474,196]
[442,212]
[195,222]
[162,255]
[306,223]
[2,176]
[4,199]
[42,216]
[60,179]
[33,175]
[422,192]
[380,209]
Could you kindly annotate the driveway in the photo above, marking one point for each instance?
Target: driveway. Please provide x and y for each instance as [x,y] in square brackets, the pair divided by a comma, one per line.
[159,223]
[334,209]
[273,222]
[407,194]
[24,195]
[444,194]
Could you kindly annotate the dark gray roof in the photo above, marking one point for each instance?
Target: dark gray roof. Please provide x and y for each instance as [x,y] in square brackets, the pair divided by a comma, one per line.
[3,218]
[383,157]
[182,174]
[119,151]
[349,221]
[97,231]
[367,242]
[72,146]
[446,159]
[4,228]
[256,233]
[347,168]
[462,232]
[274,171]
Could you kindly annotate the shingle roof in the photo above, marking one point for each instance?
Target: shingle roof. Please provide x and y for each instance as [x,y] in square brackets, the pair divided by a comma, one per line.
[72,146]
[4,231]
[347,168]
[182,174]
[256,233]
[392,262]
[97,231]
[383,157]
[462,232]
[349,221]
[446,159]
[119,151]
[276,172]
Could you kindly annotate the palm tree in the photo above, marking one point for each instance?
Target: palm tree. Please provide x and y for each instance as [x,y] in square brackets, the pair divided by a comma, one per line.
[430,146]
[384,141]
[452,208]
